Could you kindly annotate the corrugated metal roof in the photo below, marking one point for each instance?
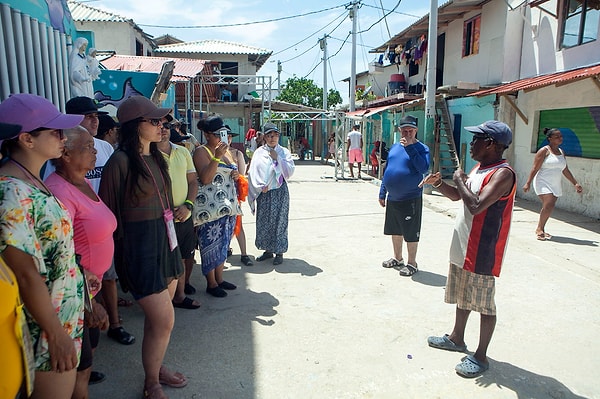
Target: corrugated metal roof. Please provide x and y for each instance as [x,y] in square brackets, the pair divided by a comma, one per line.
[543,81]
[212,47]
[83,12]
[185,68]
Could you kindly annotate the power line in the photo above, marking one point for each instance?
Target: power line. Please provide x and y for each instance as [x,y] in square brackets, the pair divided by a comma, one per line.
[311,35]
[395,12]
[242,23]
[381,19]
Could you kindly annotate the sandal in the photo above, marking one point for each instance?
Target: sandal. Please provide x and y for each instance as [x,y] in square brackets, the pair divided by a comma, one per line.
[155,392]
[278,259]
[392,262]
[187,303]
[470,367]
[445,343]
[189,289]
[408,270]
[246,260]
[124,302]
[120,335]
[170,379]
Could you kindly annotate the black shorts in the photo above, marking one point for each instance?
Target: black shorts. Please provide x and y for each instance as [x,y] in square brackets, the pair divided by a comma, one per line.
[186,238]
[403,218]
[91,337]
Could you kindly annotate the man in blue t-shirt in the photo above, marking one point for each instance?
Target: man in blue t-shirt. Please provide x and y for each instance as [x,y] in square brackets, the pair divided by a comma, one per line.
[401,195]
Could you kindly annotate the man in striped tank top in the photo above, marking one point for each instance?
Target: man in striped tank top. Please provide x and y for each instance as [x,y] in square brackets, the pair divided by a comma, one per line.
[479,240]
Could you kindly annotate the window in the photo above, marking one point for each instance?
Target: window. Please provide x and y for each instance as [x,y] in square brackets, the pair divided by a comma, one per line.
[471,31]
[580,22]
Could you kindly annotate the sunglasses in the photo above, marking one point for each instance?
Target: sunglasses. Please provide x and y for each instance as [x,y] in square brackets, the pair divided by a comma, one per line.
[486,138]
[55,132]
[153,122]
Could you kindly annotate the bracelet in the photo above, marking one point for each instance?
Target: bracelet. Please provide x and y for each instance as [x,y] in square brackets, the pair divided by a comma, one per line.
[216,159]
[188,202]
[434,186]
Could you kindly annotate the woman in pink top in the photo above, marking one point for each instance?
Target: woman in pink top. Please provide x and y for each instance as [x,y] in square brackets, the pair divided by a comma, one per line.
[93,225]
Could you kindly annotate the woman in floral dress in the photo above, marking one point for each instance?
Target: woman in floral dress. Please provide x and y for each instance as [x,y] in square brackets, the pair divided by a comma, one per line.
[36,240]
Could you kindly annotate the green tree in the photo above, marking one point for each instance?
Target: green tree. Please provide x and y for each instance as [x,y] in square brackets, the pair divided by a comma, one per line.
[304,91]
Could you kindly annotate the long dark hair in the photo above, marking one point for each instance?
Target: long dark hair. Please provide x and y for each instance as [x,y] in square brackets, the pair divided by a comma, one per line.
[129,143]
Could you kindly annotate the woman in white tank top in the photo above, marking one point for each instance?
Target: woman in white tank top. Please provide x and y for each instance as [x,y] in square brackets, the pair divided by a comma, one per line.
[549,165]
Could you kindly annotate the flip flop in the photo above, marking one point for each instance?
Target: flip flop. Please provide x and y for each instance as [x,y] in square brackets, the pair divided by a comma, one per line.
[187,303]
[173,380]
[445,343]
[471,367]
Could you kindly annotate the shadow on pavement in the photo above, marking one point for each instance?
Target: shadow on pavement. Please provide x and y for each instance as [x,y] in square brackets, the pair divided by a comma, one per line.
[524,383]
[289,265]
[571,240]
[428,278]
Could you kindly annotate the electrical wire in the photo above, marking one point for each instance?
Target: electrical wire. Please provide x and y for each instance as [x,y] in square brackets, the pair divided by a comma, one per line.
[396,12]
[242,23]
[311,35]
[382,18]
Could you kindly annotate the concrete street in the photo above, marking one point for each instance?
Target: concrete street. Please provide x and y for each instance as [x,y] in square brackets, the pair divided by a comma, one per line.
[330,322]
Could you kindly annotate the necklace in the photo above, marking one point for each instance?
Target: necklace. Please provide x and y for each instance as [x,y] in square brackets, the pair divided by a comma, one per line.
[33,178]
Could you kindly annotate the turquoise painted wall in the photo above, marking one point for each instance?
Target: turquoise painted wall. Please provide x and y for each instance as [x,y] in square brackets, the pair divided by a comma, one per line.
[473,111]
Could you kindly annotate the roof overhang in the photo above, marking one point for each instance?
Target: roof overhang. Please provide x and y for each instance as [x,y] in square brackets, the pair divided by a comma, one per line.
[447,13]
[557,78]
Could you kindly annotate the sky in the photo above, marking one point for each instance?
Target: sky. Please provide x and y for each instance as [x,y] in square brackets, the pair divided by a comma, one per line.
[293,41]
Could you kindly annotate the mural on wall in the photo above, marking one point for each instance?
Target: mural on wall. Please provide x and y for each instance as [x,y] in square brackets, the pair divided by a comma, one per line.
[54,13]
[580,128]
[59,15]
[114,87]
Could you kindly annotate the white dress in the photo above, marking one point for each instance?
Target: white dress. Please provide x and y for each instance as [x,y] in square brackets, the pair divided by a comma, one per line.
[548,179]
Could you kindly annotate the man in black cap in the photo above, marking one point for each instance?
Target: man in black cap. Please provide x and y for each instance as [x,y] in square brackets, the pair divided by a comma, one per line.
[402,195]
[479,240]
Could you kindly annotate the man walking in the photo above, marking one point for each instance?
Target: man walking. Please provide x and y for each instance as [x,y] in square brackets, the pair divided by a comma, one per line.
[354,144]
[402,195]
[479,240]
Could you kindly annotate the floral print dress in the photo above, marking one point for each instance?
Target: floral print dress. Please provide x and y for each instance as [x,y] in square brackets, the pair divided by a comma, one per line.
[38,224]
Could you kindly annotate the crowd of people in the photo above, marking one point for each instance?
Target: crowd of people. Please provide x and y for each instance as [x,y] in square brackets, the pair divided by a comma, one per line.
[86,200]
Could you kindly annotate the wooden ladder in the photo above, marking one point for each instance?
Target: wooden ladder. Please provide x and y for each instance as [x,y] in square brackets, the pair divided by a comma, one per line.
[445,156]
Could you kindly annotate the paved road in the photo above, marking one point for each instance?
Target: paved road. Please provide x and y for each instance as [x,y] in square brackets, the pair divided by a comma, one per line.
[332,323]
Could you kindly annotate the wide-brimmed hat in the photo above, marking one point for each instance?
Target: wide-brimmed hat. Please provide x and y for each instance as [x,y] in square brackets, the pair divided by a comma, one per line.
[212,124]
[136,107]
[33,112]
[83,106]
[499,131]
[176,137]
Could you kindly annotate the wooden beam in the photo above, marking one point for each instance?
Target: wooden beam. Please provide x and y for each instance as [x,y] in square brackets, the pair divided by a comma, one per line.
[516,108]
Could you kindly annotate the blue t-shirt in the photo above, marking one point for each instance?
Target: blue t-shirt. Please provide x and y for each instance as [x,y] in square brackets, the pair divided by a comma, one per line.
[404,171]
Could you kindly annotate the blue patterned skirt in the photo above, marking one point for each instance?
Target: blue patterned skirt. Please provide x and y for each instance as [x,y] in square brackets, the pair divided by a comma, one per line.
[213,239]
[272,212]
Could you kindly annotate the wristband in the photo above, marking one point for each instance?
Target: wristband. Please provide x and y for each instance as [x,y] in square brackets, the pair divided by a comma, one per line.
[434,186]
[190,203]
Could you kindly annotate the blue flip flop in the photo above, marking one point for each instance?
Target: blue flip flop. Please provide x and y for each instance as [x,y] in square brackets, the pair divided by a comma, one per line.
[445,343]
[471,367]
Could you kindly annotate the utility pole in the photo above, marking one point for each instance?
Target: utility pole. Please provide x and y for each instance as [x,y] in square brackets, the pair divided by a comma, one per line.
[430,87]
[278,78]
[323,43]
[354,18]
